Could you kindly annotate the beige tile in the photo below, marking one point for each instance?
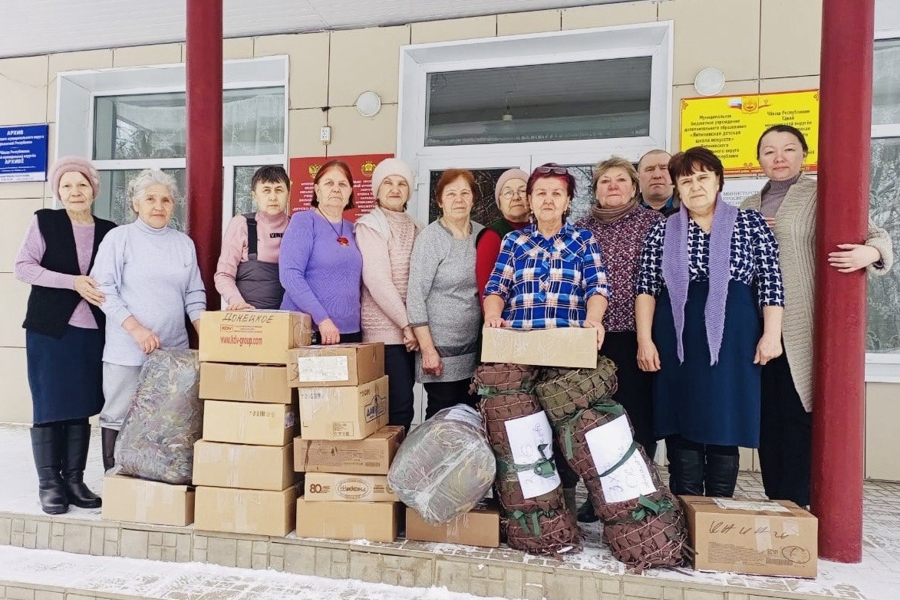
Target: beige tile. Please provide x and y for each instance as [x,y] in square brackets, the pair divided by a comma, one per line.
[73,61]
[23,90]
[711,33]
[13,299]
[606,15]
[353,134]
[528,22]
[681,92]
[746,455]
[15,403]
[304,132]
[788,84]
[454,29]
[139,56]
[365,59]
[237,48]
[791,38]
[308,58]
[882,416]
[17,214]
[20,191]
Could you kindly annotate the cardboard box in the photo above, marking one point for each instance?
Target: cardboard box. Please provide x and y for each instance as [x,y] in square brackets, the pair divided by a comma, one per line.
[141,501]
[338,365]
[320,487]
[373,521]
[343,413]
[246,511]
[244,467]
[478,527]
[252,336]
[573,347]
[753,537]
[371,456]
[245,383]
[249,423]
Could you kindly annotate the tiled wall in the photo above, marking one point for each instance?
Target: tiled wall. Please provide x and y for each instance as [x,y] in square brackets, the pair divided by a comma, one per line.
[760,46]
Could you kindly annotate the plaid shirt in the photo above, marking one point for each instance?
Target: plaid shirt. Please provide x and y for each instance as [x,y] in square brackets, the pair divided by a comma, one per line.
[546,282]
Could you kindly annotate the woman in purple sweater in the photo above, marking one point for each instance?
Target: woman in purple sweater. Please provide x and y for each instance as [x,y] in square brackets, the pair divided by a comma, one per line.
[320,266]
[64,333]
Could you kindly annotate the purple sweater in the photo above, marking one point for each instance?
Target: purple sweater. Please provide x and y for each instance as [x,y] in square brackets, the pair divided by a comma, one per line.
[320,276]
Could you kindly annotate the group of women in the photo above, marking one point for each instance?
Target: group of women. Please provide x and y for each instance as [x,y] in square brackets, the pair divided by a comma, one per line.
[695,308]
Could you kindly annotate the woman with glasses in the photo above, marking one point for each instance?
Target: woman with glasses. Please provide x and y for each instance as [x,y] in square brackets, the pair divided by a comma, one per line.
[442,299]
[510,197]
[549,274]
[620,224]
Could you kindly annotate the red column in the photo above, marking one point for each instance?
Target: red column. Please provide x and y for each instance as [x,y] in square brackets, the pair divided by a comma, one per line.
[204,136]
[844,155]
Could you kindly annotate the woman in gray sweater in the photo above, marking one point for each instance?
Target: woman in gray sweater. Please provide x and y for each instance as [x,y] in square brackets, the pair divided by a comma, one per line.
[442,300]
[150,277]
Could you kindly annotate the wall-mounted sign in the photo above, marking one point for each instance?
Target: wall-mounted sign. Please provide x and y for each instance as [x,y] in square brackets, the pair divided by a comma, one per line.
[303,171]
[730,126]
[23,153]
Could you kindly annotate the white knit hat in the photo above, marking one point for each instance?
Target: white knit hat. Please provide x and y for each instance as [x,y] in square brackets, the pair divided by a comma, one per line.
[388,167]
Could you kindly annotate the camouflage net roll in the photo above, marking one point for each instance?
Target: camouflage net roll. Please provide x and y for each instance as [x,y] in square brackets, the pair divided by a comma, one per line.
[540,524]
[643,522]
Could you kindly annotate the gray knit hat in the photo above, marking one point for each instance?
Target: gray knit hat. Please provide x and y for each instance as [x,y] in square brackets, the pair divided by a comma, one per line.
[67,164]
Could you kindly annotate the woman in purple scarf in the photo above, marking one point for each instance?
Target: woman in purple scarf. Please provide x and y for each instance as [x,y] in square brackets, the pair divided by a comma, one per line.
[704,275]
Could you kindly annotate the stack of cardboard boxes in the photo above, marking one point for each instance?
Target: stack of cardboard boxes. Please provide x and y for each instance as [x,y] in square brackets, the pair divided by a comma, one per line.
[344,446]
[243,466]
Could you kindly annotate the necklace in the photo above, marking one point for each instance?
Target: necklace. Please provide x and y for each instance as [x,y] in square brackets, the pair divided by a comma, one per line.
[340,239]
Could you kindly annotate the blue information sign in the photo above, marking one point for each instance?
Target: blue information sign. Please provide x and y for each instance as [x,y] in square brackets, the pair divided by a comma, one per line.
[23,153]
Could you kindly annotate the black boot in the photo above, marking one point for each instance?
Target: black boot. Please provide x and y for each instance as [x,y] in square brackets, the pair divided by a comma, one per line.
[108,441]
[721,474]
[686,471]
[46,444]
[77,439]
[586,513]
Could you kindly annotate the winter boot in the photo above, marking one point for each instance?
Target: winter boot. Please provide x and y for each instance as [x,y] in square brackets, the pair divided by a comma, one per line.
[108,441]
[77,439]
[586,513]
[686,471]
[46,444]
[721,474]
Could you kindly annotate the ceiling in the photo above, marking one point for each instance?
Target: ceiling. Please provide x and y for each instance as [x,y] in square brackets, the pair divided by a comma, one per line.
[33,27]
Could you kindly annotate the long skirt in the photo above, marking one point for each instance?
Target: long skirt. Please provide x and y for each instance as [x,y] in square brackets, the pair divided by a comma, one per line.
[709,404]
[66,374]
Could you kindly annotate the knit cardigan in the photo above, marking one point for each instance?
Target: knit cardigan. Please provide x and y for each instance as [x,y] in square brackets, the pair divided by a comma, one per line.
[795,230]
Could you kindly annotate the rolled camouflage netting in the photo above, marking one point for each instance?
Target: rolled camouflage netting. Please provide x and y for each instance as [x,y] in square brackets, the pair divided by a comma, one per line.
[164,420]
[541,524]
[643,531]
[445,466]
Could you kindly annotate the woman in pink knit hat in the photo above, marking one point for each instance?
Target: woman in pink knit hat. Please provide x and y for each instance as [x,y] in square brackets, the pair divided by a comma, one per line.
[64,333]
[385,237]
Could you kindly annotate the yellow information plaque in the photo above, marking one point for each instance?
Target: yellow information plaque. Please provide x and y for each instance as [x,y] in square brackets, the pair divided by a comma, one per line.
[731,125]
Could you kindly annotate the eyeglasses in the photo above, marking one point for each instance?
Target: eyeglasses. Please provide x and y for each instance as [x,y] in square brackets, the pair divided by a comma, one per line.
[510,194]
[551,169]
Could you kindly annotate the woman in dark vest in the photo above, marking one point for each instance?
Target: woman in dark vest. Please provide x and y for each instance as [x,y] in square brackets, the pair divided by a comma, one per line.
[513,205]
[247,273]
[64,333]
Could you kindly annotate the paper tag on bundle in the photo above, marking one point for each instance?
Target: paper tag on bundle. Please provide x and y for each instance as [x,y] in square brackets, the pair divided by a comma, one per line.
[609,443]
[526,435]
[323,368]
[630,480]
[464,414]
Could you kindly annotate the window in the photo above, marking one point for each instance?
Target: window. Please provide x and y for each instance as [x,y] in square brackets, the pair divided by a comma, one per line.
[134,119]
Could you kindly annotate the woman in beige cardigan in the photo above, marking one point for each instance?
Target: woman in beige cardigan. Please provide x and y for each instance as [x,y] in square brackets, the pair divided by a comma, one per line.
[788,203]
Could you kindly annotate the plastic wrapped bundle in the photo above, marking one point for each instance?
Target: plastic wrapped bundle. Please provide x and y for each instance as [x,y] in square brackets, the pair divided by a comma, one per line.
[445,466]
[528,486]
[164,420]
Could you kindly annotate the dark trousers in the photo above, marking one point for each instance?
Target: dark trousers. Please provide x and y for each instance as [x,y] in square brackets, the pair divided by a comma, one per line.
[785,436]
[346,338]
[444,394]
[567,476]
[400,367]
[635,391]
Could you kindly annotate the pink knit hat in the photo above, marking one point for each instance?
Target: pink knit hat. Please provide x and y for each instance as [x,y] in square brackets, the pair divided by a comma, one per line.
[67,164]
[392,166]
[506,176]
